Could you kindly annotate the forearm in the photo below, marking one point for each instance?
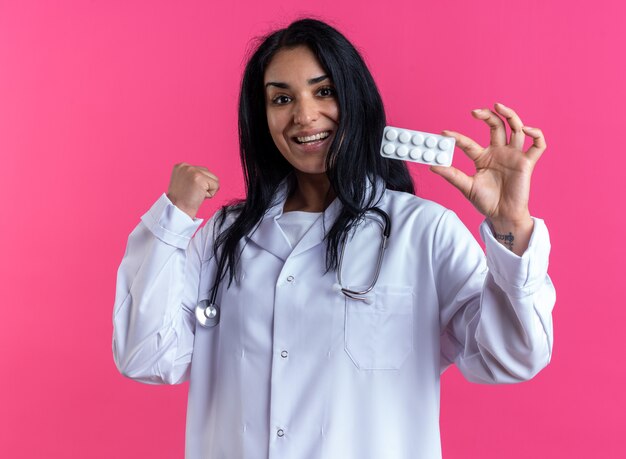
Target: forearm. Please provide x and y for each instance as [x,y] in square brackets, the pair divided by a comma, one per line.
[517,300]
[156,286]
[503,333]
[149,327]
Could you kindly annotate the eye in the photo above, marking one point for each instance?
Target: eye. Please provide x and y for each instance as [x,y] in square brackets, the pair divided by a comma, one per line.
[326,91]
[281,99]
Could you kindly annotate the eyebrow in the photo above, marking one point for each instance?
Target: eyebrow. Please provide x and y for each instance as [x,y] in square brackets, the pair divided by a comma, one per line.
[312,81]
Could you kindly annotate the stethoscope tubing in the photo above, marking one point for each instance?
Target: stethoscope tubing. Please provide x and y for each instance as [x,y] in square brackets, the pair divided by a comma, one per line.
[386,230]
[207,312]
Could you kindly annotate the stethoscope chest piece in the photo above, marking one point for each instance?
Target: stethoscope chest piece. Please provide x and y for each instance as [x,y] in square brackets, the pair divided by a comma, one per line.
[207,314]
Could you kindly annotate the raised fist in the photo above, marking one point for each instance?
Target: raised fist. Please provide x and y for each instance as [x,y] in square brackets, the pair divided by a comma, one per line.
[190,186]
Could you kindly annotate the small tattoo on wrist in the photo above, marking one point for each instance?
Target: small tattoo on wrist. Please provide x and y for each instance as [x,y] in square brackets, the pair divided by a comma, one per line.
[505,239]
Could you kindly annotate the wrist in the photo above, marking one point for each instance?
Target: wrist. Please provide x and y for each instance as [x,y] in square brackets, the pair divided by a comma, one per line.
[505,225]
[191,211]
[514,235]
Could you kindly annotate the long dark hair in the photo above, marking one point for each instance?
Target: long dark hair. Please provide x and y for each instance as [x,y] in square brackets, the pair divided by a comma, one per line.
[353,163]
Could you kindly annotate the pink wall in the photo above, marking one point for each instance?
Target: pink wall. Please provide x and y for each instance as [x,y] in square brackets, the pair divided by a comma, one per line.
[98,99]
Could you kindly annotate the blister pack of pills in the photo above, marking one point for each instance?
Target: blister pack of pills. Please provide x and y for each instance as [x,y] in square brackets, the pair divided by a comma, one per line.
[416,146]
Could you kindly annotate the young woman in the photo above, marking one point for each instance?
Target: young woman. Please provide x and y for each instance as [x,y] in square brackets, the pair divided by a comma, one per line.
[295,344]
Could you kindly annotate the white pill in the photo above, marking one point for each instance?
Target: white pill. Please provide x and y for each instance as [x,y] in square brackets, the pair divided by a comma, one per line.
[404,137]
[388,149]
[431,142]
[442,158]
[444,144]
[402,151]
[429,155]
[391,134]
[415,153]
[417,139]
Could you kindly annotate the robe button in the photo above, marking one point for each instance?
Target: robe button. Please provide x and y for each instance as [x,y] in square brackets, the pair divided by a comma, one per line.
[284,354]
[280,432]
[290,279]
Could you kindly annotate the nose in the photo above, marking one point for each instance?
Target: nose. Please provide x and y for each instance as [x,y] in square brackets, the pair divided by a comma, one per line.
[305,111]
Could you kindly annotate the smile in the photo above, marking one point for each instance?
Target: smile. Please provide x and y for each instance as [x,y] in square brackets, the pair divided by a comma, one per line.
[313,138]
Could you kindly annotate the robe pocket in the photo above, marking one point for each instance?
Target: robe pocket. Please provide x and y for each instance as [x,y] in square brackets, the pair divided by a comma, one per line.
[379,336]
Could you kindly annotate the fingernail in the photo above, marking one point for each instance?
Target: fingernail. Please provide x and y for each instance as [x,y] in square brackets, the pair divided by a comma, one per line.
[477,110]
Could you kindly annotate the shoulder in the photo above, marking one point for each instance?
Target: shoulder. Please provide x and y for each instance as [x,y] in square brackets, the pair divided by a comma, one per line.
[221,220]
[422,217]
[406,206]
[418,222]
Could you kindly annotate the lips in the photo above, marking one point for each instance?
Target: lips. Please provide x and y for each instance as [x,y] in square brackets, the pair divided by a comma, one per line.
[304,139]
[312,142]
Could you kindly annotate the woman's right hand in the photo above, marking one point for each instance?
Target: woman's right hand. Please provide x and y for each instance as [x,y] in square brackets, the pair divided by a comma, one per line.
[190,186]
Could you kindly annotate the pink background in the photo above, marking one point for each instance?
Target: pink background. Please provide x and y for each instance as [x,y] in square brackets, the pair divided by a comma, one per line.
[98,99]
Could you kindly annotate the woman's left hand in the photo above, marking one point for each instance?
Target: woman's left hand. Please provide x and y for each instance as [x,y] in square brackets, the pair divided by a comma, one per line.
[500,188]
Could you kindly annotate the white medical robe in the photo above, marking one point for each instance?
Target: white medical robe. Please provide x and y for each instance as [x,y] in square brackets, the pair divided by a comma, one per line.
[297,370]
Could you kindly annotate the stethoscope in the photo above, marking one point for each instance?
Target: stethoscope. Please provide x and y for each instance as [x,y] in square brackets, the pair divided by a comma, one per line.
[208,311]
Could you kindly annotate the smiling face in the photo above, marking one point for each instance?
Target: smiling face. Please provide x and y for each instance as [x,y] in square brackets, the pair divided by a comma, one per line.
[302,110]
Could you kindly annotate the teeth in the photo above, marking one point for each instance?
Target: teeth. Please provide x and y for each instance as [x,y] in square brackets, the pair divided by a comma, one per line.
[311,138]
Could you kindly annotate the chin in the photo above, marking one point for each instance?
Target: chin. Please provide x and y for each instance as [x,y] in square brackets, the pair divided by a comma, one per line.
[310,170]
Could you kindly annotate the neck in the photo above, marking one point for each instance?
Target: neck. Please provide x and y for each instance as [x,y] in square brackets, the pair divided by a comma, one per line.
[312,194]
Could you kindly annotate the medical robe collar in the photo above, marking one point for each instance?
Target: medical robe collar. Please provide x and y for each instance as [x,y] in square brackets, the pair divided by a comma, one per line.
[269,236]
